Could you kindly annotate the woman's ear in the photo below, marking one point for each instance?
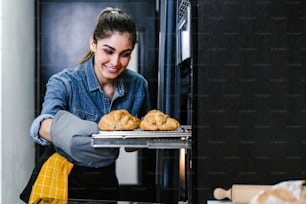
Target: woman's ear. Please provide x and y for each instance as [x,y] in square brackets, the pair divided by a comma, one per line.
[92,44]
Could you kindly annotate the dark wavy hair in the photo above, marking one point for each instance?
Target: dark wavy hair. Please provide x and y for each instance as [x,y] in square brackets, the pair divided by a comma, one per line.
[109,21]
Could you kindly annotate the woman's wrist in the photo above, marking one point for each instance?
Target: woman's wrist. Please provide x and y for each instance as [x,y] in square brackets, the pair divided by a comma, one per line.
[45,129]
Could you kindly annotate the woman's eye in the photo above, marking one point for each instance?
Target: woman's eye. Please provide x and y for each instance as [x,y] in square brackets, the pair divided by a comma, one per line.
[109,52]
[126,54]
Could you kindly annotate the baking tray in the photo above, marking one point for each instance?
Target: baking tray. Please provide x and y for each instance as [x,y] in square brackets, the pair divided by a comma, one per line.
[180,138]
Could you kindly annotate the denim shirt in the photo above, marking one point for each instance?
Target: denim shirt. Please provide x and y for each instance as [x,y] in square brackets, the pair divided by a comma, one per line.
[77,90]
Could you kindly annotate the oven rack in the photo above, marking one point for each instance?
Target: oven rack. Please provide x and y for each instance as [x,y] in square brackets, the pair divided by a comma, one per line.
[180,138]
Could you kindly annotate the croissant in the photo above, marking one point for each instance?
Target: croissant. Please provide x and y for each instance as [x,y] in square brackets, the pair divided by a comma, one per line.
[277,196]
[157,120]
[118,120]
[284,193]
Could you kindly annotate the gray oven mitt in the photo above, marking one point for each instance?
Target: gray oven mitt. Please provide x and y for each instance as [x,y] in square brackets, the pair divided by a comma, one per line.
[73,135]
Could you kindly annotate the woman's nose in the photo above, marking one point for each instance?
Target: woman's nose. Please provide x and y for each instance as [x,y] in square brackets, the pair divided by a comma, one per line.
[115,60]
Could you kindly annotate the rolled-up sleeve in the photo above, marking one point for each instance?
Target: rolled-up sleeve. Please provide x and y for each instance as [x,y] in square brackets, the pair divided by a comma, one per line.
[53,102]
[34,131]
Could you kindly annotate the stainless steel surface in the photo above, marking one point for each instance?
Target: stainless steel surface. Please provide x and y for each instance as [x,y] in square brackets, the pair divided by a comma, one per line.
[180,138]
[86,201]
[183,31]
[182,131]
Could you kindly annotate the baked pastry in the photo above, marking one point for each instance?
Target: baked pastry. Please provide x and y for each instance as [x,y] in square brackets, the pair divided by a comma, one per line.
[118,120]
[285,193]
[277,196]
[157,120]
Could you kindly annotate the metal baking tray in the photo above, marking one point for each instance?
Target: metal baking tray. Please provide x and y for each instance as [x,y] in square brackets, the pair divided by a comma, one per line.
[182,131]
[180,138]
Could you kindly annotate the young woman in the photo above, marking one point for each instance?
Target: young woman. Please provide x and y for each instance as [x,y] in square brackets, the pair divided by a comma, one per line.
[78,97]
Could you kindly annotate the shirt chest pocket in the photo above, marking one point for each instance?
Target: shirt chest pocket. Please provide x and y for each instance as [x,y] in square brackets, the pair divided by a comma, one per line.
[85,115]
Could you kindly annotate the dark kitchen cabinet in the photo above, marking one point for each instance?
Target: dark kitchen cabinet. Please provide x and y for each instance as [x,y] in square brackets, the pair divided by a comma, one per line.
[249,110]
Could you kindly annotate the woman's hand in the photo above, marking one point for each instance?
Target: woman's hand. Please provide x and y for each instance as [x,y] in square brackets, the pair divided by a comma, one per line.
[45,129]
[72,135]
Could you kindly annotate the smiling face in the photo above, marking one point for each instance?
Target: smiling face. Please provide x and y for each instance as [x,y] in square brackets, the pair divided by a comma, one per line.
[111,56]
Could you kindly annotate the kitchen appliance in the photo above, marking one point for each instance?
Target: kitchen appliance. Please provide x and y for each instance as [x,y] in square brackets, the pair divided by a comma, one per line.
[175,85]
[184,49]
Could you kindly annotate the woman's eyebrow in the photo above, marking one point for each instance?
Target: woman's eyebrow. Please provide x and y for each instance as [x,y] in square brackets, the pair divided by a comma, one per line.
[110,47]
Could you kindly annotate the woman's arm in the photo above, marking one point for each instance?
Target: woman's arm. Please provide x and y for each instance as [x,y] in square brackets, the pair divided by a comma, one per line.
[55,100]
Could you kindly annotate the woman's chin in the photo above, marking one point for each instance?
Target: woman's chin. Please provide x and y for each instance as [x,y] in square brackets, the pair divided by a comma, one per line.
[111,76]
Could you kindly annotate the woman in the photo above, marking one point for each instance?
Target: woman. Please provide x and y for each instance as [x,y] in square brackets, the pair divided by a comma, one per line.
[78,97]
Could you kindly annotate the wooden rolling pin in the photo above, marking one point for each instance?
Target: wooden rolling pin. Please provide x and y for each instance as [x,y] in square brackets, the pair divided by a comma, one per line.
[242,194]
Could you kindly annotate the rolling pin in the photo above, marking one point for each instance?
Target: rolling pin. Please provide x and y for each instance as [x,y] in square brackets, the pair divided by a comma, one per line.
[242,194]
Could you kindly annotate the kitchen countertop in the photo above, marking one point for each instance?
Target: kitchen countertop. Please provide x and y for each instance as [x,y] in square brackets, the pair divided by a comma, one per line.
[218,202]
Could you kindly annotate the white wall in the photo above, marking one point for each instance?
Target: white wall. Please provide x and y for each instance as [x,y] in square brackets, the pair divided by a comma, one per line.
[17,63]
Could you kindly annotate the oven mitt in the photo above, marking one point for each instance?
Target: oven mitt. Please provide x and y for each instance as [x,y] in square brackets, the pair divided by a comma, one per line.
[73,135]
